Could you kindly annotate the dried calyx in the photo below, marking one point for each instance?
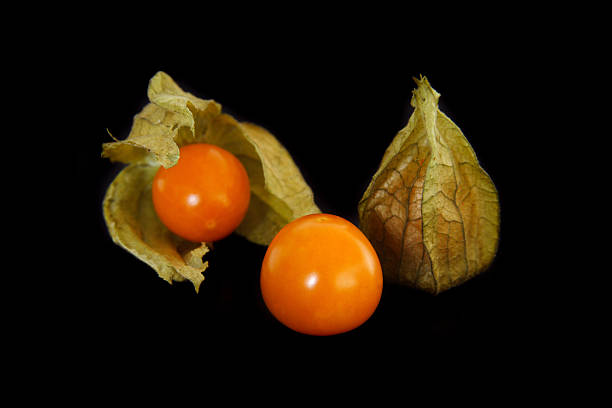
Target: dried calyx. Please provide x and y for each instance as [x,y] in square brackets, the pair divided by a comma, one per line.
[175,118]
[431,211]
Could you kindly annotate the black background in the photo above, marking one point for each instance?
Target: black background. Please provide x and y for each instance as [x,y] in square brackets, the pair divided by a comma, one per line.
[335,102]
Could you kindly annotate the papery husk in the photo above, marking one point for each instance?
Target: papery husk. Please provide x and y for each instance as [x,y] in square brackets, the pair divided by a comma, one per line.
[430,211]
[174,118]
[134,225]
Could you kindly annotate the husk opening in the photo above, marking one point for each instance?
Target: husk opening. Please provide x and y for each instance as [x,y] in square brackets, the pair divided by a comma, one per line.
[174,118]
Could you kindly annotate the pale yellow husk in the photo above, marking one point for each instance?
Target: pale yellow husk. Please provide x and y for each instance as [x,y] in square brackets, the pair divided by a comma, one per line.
[174,118]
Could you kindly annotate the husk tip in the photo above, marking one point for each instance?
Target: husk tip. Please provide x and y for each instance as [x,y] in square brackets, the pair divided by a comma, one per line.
[419,80]
[197,287]
[111,135]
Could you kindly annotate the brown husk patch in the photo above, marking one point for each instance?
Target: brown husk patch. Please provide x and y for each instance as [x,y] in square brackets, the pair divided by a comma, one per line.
[430,211]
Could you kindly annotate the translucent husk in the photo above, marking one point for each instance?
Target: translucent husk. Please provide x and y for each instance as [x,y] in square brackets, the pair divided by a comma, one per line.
[174,118]
[430,211]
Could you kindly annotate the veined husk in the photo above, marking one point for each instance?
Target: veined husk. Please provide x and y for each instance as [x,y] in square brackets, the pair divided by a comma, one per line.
[430,211]
[174,118]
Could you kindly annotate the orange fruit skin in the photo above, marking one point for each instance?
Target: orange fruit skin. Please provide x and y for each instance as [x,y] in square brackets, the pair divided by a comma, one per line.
[321,276]
[205,196]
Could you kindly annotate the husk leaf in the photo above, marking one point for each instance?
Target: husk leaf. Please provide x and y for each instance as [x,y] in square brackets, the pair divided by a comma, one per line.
[134,225]
[431,211]
[174,118]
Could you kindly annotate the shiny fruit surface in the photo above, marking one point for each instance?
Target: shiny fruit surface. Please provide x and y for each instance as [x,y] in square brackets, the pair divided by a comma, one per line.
[205,196]
[321,276]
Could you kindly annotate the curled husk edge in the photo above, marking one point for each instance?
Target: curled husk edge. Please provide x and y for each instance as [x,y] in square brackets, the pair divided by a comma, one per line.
[174,118]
